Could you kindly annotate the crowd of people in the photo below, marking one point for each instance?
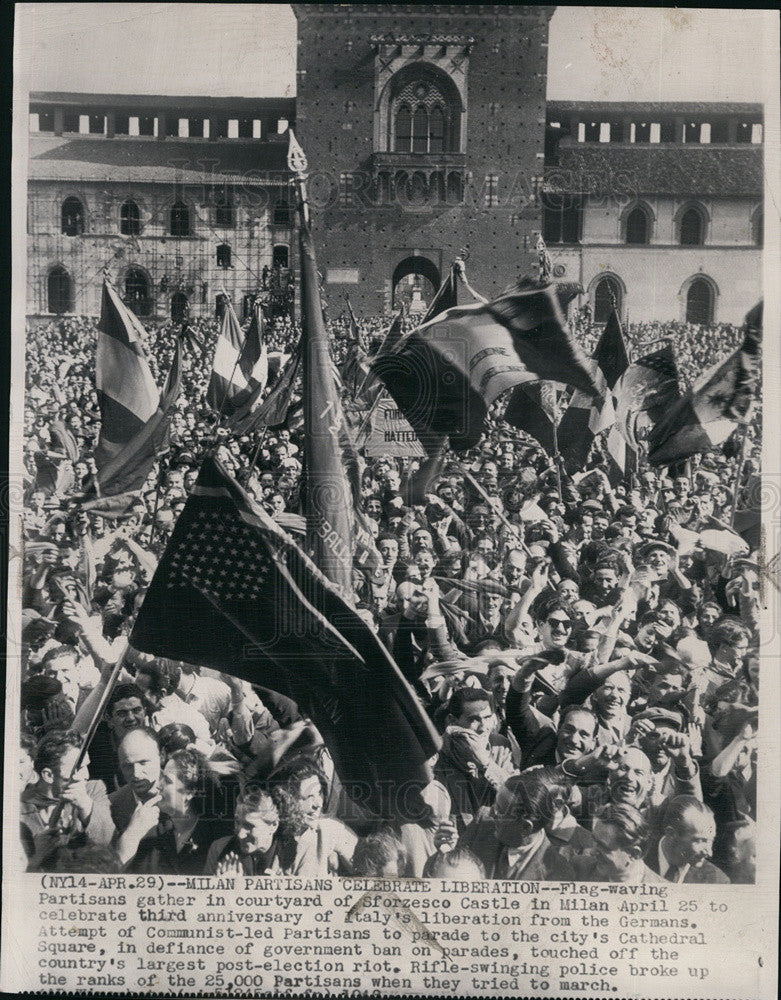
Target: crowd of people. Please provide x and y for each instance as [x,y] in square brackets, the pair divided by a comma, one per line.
[588,651]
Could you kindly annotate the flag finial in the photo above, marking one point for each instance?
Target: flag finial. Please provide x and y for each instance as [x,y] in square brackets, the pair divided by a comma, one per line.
[296,159]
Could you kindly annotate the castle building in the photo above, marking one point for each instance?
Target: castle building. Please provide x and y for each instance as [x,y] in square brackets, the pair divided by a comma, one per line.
[427,134]
[179,200]
[658,205]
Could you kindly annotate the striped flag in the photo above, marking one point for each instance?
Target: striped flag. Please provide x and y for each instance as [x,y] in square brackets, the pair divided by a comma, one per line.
[445,374]
[127,393]
[588,415]
[240,369]
[714,406]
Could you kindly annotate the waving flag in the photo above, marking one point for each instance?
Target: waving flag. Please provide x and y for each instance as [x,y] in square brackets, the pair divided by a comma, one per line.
[259,609]
[129,468]
[446,374]
[533,408]
[127,393]
[588,415]
[714,406]
[240,368]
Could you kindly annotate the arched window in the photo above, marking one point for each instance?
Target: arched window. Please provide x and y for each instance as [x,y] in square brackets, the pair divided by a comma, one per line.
[637,226]
[424,115]
[223,255]
[72,217]
[137,291]
[607,289]
[758,227]
[58,289]
[699,302]
[403,129]
[282,214]
[180,219]
[692,228]
[180,307]
[129,219]
[280,256]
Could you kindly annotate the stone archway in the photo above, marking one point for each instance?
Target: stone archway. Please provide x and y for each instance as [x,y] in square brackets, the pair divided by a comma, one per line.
[424,274]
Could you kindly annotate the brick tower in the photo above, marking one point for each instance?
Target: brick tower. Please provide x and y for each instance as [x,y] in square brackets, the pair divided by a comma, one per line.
[424,127]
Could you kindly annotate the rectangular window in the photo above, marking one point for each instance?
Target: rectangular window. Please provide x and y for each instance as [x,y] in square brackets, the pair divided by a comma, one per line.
[561,218]
[491,197]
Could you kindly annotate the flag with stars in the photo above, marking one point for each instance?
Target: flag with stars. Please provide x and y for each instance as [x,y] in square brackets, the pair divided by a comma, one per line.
[714,406]
[233,592]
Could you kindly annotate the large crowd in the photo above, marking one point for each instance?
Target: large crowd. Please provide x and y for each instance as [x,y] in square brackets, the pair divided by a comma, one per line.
[588,652]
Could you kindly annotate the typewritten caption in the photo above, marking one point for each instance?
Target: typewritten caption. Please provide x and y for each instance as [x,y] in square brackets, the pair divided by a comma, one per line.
[234,935]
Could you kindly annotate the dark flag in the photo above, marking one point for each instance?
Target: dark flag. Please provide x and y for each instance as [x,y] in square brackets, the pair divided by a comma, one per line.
[257,608]
[129,469]
[710,411]
[529,410]
[587,415]
[392,337]
[192,341]
[446,297]
[445,374]
[328,503]
[127,394]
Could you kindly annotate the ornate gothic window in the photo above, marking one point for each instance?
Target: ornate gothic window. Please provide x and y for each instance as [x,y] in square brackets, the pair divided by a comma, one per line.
[422,118]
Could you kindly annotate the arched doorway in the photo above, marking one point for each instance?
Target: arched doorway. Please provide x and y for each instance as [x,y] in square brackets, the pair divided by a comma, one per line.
[180,307]
[58,290]
[416,281]
[137,291]
[606,290]
[699,302]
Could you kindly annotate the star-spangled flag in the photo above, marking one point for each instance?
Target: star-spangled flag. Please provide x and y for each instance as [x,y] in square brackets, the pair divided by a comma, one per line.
[445,374]
[127,393]
[240,368]
[589,415]
[256,607]
[710,411]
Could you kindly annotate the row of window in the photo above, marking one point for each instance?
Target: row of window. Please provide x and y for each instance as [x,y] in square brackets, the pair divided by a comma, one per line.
[180,223]
[700,300]
[59,285]
[151,125]
[562,223]
[668,131]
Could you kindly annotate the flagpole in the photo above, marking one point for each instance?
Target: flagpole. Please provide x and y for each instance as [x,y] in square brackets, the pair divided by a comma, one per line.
[508,524]
[261,438]
[157,500]
[111,684]
[739,474]
[557,458]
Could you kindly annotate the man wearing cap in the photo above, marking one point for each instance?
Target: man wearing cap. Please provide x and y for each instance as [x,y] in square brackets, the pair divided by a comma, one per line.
[659,734]
[662,560]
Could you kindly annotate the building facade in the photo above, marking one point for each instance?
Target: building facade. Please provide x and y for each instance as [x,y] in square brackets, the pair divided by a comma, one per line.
[427,133]
[177,200]
[424,128]
[659,205]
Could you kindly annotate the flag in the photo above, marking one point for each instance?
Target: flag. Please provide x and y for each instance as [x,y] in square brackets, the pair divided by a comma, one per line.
[714,406]
[127,394]
[355,331]
[588,415]
[240,368]
[392,337]
[532,408]
[328,504]
[192,341]
[646,390]
[259,609]
[129,469]
[446,297]
[445,374]
[273,411]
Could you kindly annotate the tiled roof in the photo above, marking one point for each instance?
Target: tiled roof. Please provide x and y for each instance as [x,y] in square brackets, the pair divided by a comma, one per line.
[640,108]
[152,160]
[691,170]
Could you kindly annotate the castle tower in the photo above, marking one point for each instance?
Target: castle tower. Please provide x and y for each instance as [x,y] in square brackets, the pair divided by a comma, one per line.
[424,127]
